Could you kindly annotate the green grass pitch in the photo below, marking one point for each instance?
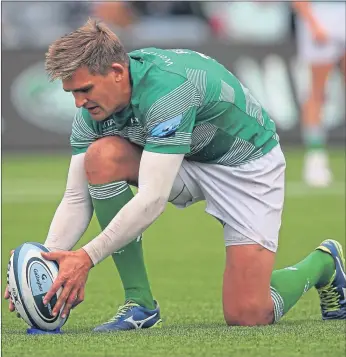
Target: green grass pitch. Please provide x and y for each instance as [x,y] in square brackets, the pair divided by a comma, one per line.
[184,253]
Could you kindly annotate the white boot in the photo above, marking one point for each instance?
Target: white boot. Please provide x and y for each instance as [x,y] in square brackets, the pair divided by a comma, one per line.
[316,170]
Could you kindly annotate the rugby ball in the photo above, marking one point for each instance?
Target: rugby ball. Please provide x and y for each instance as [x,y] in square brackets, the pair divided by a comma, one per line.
[29,278]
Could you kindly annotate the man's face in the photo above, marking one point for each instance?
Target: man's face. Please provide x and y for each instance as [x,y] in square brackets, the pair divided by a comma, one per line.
[101,95]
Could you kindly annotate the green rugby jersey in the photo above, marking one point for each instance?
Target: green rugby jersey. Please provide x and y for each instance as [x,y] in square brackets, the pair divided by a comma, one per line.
[184,102]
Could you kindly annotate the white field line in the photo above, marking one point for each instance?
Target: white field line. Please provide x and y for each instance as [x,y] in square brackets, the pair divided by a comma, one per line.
[21,191]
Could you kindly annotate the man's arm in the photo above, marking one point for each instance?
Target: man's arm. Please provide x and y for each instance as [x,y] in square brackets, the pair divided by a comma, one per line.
[303,9]
[74,213]
[157,173]
[169,110]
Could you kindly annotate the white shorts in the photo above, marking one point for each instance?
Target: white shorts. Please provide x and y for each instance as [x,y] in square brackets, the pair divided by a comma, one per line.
[332,17]
[248,199]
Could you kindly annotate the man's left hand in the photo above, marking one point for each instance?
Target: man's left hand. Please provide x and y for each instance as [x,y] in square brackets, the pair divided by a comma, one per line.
[73,274]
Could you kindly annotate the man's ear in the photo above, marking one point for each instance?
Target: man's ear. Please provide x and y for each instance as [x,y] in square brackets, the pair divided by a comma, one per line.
[119,71]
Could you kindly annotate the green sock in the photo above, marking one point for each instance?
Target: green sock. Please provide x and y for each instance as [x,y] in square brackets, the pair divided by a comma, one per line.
[314,136]
[289,284]
[108,199]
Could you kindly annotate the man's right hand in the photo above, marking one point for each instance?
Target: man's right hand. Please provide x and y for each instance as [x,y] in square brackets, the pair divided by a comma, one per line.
[319,33]
[7,295]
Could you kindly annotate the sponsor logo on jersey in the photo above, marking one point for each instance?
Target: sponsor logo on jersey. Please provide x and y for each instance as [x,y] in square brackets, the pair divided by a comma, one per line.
[167,128]
[134,121]
[107,123]
[165,58]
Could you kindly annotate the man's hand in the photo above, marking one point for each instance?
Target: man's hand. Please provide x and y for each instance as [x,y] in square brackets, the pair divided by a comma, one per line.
[304,10]
[7,294]
[319,33]
[73,273]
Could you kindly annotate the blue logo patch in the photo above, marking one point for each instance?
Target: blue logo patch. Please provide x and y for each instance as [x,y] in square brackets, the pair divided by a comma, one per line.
[167,128]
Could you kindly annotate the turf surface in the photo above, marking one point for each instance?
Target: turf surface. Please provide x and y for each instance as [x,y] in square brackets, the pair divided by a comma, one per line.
[185,257]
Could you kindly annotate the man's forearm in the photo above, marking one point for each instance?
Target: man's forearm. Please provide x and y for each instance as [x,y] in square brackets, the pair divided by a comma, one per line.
[128,224]
[74,213]
[70,221]
[156,176]
[303,9]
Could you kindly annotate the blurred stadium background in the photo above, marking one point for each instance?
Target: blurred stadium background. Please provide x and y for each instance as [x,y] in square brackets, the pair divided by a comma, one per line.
[256,40]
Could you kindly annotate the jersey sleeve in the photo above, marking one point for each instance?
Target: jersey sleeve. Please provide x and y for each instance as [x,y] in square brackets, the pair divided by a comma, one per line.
[83,133]
[171,104]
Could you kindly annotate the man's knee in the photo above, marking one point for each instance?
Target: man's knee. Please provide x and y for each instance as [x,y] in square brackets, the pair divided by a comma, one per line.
[112,159]
[249,313]
[246,288]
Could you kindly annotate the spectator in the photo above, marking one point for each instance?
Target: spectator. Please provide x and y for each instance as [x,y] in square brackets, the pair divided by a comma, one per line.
[321,43]
[156,23]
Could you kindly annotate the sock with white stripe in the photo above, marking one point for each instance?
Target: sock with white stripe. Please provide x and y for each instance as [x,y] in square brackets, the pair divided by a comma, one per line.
[108,199]
[290,284]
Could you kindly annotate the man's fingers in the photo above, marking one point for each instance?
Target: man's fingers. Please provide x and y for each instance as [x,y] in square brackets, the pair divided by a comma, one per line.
[7,297]
[52,255]
[62,298]
[80,298]
[7,293]
[69,303]
[52,291]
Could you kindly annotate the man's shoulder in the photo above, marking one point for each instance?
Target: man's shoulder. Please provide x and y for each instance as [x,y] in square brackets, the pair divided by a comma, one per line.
[83,115]
[159,63]
[157,82]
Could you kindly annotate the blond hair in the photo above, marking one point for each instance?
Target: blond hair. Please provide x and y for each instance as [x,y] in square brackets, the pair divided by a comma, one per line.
[93,45]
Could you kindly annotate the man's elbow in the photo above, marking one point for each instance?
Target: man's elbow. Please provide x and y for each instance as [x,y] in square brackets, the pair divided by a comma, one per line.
[162,203]
[156,206]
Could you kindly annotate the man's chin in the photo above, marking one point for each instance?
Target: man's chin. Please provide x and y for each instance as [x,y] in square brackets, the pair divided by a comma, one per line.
[98,116]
